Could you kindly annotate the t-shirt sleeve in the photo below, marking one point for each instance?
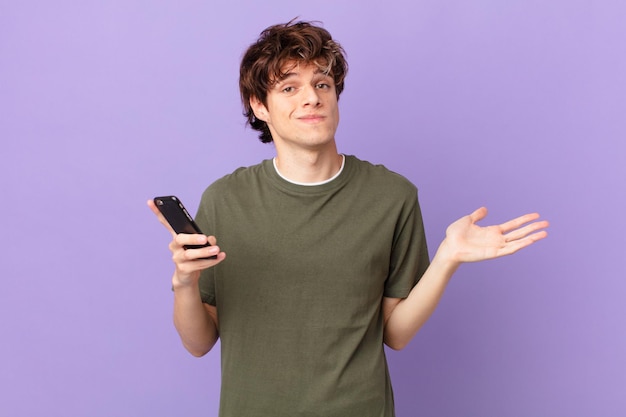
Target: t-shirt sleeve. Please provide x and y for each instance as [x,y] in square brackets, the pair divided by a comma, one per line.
[409,256]
[205,219]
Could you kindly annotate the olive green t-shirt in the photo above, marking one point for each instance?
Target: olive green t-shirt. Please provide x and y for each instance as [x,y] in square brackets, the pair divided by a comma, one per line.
[299,293]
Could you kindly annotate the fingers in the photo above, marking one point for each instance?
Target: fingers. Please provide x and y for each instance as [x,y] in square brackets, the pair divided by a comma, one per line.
[522,231]
[182,242]
[179,246]
[195,254]
[510,225]
[193,261]
[521,237]
[515,245]
[478,214]
[184,239]
[527,230]
[518,222]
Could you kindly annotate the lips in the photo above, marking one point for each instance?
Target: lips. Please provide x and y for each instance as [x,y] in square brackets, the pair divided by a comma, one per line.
[311,118]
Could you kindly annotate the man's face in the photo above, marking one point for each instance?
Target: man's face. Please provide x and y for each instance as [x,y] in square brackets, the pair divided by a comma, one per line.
[301,109]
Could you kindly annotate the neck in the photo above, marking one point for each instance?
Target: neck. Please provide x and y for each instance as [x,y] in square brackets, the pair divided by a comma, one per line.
[309,167]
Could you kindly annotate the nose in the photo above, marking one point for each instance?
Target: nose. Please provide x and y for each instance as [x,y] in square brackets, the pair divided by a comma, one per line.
[311,96]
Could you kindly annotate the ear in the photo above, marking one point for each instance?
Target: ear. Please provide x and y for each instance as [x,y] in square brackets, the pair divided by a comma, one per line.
[259,109]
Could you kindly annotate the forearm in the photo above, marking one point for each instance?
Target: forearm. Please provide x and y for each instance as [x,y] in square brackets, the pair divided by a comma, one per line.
[197,329]
[408,316]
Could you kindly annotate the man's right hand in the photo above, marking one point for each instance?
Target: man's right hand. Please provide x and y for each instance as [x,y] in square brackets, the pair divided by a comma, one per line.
[189,262]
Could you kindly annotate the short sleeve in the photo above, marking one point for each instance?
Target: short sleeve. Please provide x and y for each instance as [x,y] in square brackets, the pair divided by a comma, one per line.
[205,219]
[409,255]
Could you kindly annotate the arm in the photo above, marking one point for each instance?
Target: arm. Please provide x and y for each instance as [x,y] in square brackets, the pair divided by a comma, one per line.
[465,242]
[196,322]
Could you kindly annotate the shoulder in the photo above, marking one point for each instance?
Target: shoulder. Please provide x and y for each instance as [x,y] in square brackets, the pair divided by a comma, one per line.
[379,176]
[238,179]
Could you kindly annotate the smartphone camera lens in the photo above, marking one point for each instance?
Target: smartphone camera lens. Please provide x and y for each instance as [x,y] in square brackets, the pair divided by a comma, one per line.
[159,202]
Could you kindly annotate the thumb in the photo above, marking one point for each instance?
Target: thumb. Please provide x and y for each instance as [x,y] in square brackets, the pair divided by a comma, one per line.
[478,214]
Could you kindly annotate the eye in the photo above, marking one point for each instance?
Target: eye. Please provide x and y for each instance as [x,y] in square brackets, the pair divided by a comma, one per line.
[288,89]
[322,86]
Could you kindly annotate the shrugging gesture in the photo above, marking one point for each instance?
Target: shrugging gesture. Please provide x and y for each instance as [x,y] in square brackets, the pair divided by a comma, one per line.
[465,242]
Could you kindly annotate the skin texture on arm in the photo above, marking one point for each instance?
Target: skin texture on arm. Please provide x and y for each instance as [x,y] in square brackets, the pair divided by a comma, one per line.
[465,241]
[196,322]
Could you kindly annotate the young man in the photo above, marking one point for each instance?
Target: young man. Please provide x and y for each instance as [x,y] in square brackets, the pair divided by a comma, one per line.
[327,259]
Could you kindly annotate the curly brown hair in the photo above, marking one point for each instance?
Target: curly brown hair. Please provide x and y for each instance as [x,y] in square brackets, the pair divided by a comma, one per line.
[264,62]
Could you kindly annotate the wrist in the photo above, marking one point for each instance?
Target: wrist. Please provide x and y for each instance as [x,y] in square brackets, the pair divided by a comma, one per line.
[184,282]
[446,256]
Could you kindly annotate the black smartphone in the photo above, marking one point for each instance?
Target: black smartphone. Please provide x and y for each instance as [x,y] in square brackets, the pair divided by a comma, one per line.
[178,217]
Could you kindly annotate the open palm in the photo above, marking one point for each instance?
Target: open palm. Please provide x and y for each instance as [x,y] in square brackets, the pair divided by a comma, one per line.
[469,242]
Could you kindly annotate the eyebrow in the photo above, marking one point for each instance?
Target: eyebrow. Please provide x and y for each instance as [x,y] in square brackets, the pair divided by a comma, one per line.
[291,74]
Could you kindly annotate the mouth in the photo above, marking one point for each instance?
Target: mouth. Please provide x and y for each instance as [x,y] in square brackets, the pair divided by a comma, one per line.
[312,118]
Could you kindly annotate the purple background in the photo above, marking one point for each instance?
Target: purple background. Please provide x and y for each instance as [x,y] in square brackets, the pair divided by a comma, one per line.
[516,105]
